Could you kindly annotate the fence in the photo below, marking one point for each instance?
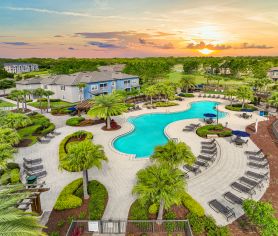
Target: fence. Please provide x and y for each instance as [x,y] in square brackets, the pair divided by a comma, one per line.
[6,108]
[132,227]
[275,128]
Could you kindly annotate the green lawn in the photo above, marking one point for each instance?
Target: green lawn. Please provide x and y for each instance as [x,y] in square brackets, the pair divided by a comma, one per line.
[36,73]
[6,104]
[52,104]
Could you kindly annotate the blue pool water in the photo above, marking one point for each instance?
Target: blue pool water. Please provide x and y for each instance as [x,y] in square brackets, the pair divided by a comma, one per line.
[149,129]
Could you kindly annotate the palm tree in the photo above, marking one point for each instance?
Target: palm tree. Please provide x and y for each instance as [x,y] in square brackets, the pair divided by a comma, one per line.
[164,89]
[48,93]
[244,93]
[187,82]
[160,184]
[25,93]
[17,95]
[39,92]
[9,136]
[150,92]
[273,100]
[81,157]
[13,221]
[105,106]
[173,154]
[81,87]
[6,153]
[230,93]
[218,79]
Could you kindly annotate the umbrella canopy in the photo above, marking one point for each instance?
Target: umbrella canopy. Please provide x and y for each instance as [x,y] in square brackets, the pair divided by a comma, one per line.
[246,110]
[72,109]
[209,115]
[240,133]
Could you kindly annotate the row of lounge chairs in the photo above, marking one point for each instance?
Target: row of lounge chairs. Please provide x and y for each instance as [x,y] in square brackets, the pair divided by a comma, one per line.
[135,108]
[47,138]
[206,157]
[34,167]
[247,184]
[245,115]
[191,127]
[218,96]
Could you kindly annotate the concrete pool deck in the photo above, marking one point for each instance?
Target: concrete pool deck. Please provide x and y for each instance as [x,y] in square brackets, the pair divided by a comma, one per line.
[119,174]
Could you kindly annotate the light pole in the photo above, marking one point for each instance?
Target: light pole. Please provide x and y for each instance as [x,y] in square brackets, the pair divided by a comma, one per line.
[216,107]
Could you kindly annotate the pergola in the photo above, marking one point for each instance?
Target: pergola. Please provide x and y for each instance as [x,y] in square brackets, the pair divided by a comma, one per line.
[84,106]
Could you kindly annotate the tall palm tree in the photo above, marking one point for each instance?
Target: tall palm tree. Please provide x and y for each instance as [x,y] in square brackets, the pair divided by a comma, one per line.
[47,94]
[15,222]
[81,87]
[230,93]
[25,93]
[244,93]
[150,92]
[160,184]
[273,100]
[105,106]
[187,82]
[17,95]
[81,157]
[39,92]
[173,154]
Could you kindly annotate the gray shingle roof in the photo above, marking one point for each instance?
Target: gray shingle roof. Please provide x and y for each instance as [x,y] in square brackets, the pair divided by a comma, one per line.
[18,64]
[35,80]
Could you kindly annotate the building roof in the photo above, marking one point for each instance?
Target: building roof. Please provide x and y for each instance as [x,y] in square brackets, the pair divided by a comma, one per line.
[273,69]
[18,64]
[81,77]
[35,80]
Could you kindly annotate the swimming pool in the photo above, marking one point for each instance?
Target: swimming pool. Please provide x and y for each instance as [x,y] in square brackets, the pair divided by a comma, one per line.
[149,128]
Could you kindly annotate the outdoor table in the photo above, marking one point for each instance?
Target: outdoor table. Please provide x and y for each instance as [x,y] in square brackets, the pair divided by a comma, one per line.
[31,179]
[239,141]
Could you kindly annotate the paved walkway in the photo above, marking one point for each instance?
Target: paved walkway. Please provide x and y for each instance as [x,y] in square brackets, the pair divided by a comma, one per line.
[119,174]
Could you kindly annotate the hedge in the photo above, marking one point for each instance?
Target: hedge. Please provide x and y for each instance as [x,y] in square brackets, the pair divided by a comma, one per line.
[186,95]
[49,129]
[74,121]
[62,146]
[238,107]
[15,176]
[138,211]
[98,199]
[67,198]
[213,129]
[165,104]
[192,205]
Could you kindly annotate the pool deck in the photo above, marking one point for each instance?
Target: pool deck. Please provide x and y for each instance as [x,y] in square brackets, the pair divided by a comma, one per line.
[119,174]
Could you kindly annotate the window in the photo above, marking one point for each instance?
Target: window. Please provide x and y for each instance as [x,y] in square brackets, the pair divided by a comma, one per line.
[113,83]
[63,87]
[103,86]
[127,82]
[94,87]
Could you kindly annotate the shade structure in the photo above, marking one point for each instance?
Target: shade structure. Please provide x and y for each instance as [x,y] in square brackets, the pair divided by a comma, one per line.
[209,115]
[240,133]
[246,110]
[72,109]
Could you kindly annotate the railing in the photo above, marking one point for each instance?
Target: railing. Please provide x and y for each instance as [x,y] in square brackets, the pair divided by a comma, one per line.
[275,128]
[7,108]
[130,227]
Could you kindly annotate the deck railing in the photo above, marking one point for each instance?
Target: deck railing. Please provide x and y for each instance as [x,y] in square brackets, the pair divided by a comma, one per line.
[275,128]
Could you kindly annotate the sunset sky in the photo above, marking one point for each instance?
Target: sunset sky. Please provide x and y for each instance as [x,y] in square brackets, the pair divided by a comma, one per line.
[137,28]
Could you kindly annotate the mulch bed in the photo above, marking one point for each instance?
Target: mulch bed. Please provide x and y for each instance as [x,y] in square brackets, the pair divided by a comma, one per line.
[111,129]
[266,141]
[66,215]
[24,143]
[20,111]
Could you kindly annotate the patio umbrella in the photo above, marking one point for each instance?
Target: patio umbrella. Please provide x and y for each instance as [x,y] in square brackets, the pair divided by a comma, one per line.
[72,109]
[209,115]
[240,133]
[246,110]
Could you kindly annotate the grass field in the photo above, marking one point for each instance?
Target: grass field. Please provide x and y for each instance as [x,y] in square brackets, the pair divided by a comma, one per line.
[52,104]
[6,104]
[36,73]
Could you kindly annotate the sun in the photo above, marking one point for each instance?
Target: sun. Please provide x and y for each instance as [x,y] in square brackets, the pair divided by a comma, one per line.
[205,51]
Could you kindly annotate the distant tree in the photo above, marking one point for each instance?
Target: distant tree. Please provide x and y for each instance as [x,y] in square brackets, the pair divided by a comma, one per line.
[6,84]
[105,106]
[173,154]
[47,94]
[4,74]
[81,157]
[244,93]
[160,184]
[81,87]
[273,100]
[190,66]
[150,91]
[187,82]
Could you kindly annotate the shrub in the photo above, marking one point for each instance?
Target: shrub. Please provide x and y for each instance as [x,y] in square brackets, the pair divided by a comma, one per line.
[12,165]
[165,104]
[60,223]
[170,226]
[98,198]
[54,233]
[75,121]
[138,211]
[66,199]
[153,209]
[213,129]
[47,130]
[82,215]
[186,95]
[238,107]
[5,178]
[196,223]
[192,205]
[15,176]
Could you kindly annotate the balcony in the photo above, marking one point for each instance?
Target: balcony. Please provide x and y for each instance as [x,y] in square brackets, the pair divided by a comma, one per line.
[100,90]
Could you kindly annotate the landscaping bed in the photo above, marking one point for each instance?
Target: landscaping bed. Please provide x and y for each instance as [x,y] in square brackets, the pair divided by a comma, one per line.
[217,129]
[11,175]
[6,104]
[70,205]
[238,107]
[165,104]
[81,122]
[186,95]
[54,103]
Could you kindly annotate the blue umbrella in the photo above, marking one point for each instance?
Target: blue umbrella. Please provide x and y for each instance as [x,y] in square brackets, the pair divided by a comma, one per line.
[246,110]
[209,115]
[240,133]
[72,109]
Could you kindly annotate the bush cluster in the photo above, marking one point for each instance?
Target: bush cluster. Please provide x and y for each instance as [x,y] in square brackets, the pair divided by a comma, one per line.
[192,205]
[186,95]
[138,211]
[238,107]
[74,121]
[213,129]
[206,224]
[11,175]
[67,198]
[153,209]
[165,104]
[60,111]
